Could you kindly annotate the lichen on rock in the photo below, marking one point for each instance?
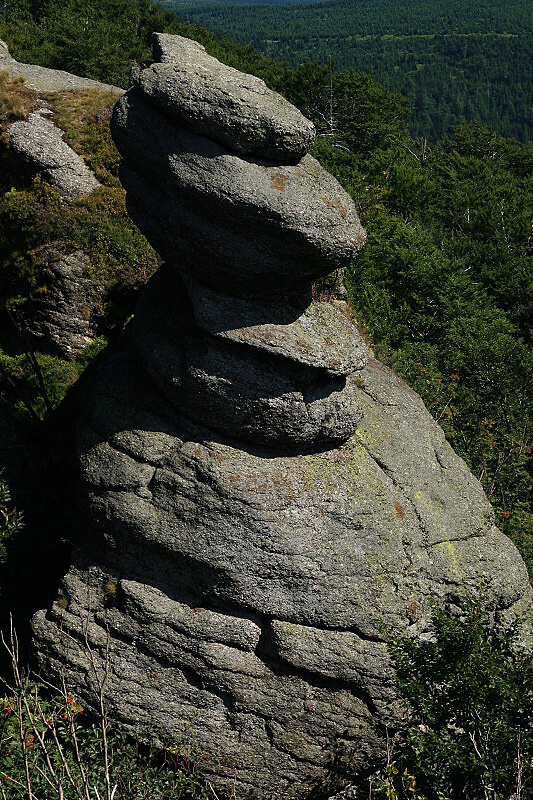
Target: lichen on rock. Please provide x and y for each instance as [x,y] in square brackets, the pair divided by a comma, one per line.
[272,501]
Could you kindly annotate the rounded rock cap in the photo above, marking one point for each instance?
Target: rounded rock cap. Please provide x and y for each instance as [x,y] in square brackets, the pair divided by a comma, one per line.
[230,107]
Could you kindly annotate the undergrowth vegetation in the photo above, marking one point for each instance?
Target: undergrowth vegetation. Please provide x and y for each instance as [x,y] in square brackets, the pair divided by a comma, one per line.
[37,226]
[467,694]
[443,288]
[51,746]
[17,101]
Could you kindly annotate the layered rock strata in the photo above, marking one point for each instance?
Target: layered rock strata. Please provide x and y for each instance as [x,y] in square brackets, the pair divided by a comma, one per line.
[265,502]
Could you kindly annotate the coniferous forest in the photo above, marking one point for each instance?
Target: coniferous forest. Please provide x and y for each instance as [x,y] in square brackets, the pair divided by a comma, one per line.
[443,288]
[454,61]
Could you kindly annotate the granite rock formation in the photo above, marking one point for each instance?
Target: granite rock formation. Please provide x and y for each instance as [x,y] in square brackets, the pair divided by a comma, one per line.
[59,315]
[41,151]
[263,500]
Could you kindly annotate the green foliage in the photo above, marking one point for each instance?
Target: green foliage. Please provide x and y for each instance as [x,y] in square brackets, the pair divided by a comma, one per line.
[468,694]
[35,221]
[10,518]
[452,63]
[46,742]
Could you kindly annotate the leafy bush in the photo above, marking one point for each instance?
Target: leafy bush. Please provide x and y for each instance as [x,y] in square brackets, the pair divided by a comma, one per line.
[468,691]
[48,749]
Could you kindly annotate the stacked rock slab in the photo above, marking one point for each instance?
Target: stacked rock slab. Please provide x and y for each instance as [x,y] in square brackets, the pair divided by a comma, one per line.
[264,501]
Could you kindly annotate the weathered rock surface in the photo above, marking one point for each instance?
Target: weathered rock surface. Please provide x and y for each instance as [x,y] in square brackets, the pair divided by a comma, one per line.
[59,314]
[242,225]
[43,79]
[254,591]
[242,390]
[221,103]
[318,334]
[39,144]
[266,502]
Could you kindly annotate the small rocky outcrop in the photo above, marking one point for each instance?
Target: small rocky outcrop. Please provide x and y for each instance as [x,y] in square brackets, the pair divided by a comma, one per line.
[58,314]
[41,151]
[263,500]
[43,79]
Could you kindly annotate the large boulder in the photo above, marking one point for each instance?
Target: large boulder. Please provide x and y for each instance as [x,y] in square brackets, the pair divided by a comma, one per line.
[264,503]
[319,334]
[254,591]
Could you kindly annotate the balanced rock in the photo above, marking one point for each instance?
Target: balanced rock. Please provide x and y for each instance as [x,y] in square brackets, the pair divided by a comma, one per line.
[268,502]
[241,225]
[238,111]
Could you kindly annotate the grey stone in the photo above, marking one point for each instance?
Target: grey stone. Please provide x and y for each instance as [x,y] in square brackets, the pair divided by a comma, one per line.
[240,224]
[271,506]
[167,47]
[43,79]
[318,334]
[39,143]
[234,109]
[256,591]
[59,313]
[240,390]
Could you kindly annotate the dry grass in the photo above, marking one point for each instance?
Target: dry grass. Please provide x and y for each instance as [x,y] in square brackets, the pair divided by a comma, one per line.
[84,117]
[17,101]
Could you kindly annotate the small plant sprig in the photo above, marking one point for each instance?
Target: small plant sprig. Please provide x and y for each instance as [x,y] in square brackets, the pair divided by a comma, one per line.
[51,747]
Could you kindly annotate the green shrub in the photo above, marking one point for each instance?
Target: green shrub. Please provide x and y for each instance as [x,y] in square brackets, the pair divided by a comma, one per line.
[468,692]
[10,518]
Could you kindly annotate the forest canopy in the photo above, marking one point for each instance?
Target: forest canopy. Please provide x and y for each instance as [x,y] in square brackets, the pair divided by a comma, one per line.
[454,61]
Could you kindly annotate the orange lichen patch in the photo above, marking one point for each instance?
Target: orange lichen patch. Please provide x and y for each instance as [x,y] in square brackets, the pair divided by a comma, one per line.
[278,180]
[399,510]
[298,172]
[414,610]
[198,610]
[336,203]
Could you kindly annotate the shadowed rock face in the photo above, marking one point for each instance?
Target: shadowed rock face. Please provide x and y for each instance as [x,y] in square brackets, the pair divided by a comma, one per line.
[268,500]
[60,317]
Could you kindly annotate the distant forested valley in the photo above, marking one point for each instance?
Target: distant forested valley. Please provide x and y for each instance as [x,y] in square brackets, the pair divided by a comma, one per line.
[454,61]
